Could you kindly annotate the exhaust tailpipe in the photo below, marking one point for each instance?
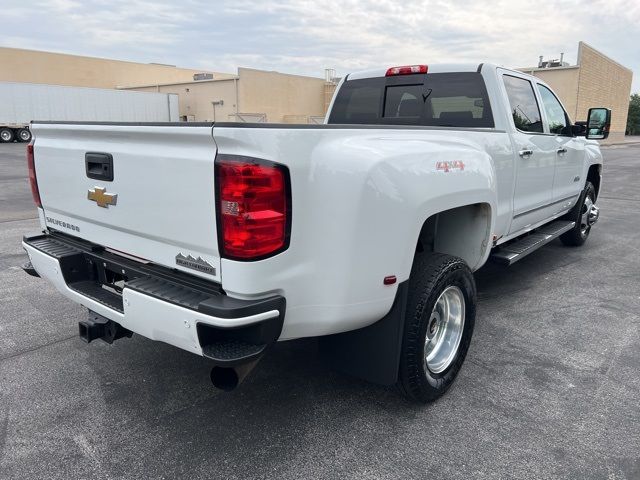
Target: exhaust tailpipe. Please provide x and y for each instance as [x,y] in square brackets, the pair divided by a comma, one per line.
[228,378]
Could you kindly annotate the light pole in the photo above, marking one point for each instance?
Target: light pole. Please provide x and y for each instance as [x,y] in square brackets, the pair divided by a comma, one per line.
[218,102]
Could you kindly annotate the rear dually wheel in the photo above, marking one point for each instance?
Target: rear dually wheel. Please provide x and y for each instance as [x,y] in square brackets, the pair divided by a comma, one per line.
[439,323]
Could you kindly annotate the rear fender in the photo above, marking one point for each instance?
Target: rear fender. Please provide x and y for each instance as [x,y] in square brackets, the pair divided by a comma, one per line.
[359,200]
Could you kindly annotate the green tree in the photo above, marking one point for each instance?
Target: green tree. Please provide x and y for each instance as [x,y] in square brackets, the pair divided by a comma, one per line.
[633,119]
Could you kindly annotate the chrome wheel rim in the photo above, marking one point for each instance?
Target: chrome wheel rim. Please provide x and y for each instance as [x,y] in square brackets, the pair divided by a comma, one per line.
[5,135]
[24,135]
[444,330]
[584,215]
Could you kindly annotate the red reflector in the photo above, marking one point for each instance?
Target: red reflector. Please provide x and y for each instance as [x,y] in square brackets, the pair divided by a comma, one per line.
[32,175]
[390,280]
[253,207]
[407,70]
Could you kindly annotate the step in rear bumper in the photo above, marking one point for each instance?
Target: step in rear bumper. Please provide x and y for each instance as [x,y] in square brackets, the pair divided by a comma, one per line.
[155,302]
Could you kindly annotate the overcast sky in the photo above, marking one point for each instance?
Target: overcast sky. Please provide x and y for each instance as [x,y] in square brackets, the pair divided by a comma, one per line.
[305,37]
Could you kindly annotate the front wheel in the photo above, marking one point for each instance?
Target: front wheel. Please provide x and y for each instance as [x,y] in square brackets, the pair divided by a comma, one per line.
[439,321]
[585,214]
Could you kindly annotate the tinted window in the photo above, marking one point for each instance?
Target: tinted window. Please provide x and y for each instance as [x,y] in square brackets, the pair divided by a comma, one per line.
[434,99]
[357,105]
[403,101]
[556,115]
[524,106]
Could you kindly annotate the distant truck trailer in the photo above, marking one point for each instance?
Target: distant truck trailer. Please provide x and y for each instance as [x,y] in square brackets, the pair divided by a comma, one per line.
[20,103]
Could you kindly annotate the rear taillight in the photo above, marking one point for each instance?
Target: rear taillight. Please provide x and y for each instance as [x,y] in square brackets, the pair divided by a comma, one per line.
[32,175]
[406,70]
[254,207]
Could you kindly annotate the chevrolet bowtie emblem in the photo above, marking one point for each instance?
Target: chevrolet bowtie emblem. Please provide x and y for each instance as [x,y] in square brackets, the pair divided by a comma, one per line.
[101,197]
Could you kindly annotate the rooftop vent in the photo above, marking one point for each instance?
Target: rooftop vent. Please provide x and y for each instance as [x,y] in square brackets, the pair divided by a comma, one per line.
[552,63]
[202,76]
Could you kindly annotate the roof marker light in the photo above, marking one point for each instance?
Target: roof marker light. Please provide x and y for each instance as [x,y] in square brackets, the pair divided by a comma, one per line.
[407,70]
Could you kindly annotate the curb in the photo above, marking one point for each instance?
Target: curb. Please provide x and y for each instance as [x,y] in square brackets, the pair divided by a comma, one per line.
[634,142]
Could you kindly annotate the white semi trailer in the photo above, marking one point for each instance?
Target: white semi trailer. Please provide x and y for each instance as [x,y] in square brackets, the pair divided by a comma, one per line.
[20,103]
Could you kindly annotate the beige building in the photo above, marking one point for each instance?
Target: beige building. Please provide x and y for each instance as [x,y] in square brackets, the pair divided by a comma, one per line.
[267,96]
[595,81]
[251,96]
[32,66]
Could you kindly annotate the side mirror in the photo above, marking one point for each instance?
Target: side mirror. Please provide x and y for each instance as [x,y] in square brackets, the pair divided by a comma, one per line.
[598,123]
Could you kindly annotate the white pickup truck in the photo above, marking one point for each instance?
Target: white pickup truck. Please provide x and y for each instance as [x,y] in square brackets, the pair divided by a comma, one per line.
[223,238]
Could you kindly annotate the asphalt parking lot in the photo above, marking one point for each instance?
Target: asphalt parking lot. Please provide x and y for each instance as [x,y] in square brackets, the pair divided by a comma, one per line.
[550,388]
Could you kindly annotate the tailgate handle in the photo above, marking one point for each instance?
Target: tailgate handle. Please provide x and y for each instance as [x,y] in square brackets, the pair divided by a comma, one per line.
[99,166]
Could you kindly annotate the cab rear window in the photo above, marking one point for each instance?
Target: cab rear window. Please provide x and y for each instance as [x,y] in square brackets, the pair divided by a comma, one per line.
[435,99]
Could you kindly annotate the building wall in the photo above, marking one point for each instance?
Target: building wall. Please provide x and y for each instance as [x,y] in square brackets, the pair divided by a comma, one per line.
[280,95]
[32,66]
[277,97]
[604,83]
[596,81]
[564,82]
[195,99]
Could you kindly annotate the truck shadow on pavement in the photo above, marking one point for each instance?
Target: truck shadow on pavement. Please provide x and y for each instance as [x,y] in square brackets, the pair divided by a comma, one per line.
[290,386]
[152,406]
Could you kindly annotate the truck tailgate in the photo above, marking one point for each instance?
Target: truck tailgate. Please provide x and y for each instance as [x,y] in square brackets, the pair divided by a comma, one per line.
[160,205]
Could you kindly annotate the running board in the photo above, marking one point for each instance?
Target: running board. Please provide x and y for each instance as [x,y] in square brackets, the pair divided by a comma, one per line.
[516,250]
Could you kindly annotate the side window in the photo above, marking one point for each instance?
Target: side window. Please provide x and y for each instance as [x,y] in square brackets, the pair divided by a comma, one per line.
[357,105]
[556,116]
[524,107]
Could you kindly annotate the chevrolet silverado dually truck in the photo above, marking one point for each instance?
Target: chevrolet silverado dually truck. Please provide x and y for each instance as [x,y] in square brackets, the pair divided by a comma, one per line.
[224,238]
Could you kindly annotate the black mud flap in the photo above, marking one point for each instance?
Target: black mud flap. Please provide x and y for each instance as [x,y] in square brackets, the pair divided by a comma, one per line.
[371,353]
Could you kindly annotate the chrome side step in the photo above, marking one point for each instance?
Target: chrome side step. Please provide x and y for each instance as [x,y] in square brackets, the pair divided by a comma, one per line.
[510,253]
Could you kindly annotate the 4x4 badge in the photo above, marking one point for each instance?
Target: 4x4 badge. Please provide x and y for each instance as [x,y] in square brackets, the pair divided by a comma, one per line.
[101,197]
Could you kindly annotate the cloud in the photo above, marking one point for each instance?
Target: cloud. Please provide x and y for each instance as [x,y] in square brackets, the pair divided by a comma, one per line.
[303,36]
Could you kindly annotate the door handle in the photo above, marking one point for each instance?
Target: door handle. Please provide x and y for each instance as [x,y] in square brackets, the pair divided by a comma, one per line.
[99,166]
[561,150]
[527,152]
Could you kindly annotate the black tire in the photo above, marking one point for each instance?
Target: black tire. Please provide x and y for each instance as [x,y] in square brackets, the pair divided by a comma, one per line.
[6,135]
[579,234]
[431,275]
[23,135]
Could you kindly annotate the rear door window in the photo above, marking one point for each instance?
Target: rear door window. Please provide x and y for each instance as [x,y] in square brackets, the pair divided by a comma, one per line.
[435,99]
